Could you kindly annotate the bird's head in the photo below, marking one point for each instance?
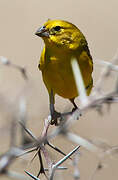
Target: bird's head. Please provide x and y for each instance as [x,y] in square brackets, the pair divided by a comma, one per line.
[60,33]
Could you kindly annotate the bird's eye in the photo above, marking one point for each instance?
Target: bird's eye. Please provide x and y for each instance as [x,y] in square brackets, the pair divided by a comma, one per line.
[57,28]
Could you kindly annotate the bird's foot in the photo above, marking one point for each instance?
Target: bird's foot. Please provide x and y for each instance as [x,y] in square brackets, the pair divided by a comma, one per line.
[54,118]
[57,117]
[74,109]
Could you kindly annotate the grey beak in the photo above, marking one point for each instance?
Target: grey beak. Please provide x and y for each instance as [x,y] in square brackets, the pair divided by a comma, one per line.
[42,32]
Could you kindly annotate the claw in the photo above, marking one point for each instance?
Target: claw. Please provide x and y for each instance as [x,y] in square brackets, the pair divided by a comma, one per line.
[54,118]
[74,109]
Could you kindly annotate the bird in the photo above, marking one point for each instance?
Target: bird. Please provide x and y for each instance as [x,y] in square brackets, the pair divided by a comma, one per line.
[62,42]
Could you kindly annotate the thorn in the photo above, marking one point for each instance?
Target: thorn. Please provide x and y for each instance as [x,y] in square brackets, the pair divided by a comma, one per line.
[31,175]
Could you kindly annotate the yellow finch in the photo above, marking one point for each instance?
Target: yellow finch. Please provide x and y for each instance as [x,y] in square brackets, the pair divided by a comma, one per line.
[63,41]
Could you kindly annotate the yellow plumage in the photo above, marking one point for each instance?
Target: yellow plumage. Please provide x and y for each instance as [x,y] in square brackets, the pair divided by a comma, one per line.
[63,41]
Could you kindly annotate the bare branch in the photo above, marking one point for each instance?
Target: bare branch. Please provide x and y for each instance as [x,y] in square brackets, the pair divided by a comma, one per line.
[8,63]
[79,81]
[62,160]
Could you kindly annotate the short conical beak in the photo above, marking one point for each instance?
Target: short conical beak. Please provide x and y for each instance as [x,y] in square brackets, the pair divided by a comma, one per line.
[42,32]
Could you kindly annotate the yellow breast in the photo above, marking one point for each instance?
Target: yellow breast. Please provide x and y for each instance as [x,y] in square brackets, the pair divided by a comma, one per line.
[58,76]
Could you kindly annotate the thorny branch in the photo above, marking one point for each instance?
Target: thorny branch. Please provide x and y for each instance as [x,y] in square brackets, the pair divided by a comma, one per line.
[94,101]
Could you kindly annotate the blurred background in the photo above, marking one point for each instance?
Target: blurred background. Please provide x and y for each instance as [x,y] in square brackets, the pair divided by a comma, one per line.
[19,20]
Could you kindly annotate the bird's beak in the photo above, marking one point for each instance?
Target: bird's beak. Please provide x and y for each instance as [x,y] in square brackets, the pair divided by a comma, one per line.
[42,32]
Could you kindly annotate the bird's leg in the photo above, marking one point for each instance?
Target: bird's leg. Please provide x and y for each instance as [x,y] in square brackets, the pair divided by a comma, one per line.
[54,114]
[75,106]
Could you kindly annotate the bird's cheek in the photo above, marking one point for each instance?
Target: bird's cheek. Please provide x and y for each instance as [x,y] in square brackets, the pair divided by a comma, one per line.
[53,38]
